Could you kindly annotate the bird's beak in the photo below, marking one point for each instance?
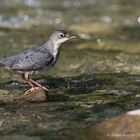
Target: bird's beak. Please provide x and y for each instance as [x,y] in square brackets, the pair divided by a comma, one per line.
[72,37]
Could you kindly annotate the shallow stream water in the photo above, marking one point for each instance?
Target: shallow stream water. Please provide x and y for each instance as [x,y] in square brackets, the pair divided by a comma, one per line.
[97,75]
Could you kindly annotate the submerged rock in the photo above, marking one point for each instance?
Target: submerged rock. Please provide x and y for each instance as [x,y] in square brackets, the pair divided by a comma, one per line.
[121,127]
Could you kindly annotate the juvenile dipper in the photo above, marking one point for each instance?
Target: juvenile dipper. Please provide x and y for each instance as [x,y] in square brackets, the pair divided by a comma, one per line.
[37,59]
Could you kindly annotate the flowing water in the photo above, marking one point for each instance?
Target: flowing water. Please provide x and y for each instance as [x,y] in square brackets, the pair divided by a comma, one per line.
[97,75]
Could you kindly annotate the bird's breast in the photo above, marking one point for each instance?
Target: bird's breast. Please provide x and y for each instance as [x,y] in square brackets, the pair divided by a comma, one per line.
[55,54]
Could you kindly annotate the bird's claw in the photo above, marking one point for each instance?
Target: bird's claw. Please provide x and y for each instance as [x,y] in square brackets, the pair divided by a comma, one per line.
[35,88]
[44,88]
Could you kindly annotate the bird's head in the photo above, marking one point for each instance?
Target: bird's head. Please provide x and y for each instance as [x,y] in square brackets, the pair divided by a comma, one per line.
[60,36]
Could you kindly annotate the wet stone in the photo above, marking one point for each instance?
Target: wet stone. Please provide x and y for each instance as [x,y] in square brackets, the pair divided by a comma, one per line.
[36,94]
[119,128]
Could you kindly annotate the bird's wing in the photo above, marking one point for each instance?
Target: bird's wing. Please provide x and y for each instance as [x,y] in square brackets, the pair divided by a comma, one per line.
[33,61]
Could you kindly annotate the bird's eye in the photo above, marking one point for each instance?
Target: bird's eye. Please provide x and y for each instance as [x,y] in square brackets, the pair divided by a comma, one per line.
[61,35]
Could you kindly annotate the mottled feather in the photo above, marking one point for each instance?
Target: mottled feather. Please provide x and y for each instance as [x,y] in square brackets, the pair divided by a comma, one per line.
[30,60]
[33,61]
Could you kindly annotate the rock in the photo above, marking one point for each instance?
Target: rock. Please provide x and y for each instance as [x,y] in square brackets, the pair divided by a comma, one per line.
[124,127]
[36,94]
[134,112]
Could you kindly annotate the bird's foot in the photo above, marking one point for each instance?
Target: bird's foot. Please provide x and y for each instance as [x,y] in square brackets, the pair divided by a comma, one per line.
[36,94]
[38,87]
[44,88]
[32,90]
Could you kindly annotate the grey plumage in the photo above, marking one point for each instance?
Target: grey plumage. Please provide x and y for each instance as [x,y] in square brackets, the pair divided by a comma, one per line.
[33,60]
[37,59]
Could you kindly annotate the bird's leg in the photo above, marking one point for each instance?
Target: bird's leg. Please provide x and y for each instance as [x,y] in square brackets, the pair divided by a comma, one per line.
[37,84]
[26,78]
[31,82]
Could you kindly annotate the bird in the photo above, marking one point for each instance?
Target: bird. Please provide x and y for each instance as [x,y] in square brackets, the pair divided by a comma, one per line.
[36,59]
